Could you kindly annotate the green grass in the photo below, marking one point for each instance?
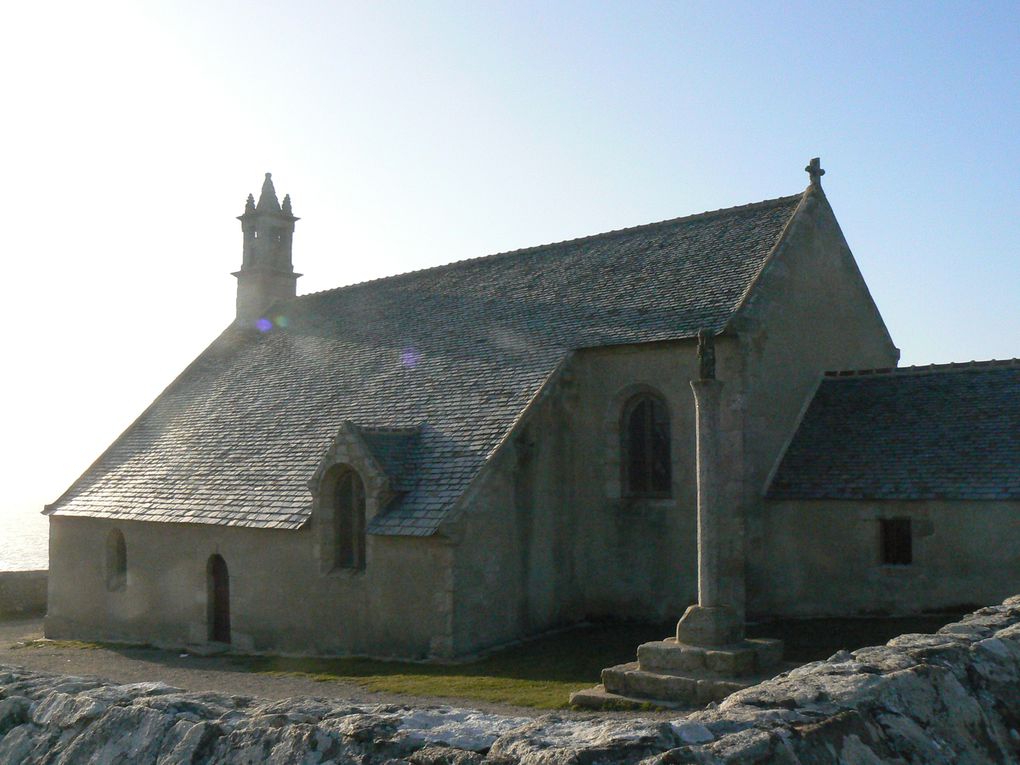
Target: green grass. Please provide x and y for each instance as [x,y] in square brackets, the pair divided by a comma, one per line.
[81,645]
[542,673]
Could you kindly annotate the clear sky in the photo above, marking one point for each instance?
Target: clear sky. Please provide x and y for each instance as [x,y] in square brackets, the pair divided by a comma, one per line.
[416,133]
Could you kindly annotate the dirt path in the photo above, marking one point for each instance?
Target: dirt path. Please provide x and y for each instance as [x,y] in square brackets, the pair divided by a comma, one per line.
[218,673]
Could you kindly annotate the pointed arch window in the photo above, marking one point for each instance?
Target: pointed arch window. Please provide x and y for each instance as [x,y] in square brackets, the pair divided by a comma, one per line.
[348,520]
[645,431]
[116,561]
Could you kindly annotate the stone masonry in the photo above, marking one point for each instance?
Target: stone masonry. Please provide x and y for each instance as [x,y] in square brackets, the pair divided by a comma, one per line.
[709,658]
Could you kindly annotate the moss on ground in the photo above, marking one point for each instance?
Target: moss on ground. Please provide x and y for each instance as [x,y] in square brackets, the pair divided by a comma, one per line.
[82,645]
[541,673]
[544,672]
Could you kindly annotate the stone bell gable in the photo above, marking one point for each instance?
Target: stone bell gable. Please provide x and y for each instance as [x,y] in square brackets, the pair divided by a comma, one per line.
[267,270]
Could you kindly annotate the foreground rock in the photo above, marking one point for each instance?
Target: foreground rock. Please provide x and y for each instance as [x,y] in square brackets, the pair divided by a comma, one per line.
[952,697]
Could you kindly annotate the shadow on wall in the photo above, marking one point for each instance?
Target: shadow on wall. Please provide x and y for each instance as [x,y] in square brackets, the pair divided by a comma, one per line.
[22,593]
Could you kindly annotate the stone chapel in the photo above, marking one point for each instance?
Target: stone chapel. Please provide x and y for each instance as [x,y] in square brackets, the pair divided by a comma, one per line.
[443,461]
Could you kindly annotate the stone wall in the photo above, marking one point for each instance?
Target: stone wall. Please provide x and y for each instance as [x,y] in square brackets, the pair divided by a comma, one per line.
[22,592]
[944,698]
[165,598]
[963,553]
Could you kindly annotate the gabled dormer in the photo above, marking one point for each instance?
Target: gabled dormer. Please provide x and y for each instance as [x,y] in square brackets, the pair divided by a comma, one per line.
[361,473]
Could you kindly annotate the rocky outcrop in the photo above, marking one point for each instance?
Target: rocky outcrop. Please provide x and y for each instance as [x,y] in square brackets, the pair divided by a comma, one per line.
[951,697]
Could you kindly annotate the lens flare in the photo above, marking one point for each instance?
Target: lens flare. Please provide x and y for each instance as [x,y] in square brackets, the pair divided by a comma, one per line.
[263,324]
[410,358]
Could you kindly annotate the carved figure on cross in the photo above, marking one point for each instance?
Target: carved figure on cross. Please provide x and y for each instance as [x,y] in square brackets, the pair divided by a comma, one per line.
[814,170]
[706,355]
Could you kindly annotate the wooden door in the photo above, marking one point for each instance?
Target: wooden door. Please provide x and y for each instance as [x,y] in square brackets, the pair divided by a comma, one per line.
[218,599]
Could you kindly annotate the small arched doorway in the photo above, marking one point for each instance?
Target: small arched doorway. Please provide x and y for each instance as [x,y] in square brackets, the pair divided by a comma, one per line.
[218,599]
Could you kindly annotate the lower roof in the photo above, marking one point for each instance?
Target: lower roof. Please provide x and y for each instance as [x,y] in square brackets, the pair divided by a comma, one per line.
[939,432]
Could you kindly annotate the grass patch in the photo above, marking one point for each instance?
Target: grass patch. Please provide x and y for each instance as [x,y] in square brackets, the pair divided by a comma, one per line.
[81,645]
[542,673]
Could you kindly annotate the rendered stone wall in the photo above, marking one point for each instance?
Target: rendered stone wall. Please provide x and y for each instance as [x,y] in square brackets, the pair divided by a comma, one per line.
[827,555]
[280,600]
[546,538]
[944,698]
[547,527]
[810,312]
[22,592]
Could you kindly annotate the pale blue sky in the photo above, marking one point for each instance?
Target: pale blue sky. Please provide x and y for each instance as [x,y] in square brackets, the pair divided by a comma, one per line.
[413,134]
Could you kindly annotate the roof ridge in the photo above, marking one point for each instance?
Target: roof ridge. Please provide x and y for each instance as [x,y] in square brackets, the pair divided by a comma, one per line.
[952,366]
[765,203]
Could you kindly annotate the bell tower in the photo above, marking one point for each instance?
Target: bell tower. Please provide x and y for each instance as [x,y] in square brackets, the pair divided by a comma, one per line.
[267,271]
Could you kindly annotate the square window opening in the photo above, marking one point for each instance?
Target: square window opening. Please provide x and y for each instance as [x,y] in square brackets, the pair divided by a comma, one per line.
[897,542]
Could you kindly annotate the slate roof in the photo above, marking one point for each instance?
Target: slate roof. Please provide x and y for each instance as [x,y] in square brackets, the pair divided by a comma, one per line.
[939,432]
[457,351]
[397,452]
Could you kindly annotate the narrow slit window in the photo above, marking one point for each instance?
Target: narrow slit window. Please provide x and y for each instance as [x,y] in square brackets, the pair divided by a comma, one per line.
[897,542]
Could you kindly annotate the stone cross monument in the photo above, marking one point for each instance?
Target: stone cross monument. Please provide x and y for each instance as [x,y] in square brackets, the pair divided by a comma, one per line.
[710,657]
[712,621]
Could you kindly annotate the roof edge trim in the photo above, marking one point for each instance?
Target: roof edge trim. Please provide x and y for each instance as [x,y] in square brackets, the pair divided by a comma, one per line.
[745,299]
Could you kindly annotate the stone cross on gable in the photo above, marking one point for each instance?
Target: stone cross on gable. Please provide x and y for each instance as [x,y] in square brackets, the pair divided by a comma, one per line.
[814,170]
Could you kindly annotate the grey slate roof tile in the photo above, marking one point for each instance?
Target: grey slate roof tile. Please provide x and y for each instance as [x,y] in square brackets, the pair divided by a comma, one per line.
[949,432]
[456,351]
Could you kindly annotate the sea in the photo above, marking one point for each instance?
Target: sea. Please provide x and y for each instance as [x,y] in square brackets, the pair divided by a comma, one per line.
[24,542]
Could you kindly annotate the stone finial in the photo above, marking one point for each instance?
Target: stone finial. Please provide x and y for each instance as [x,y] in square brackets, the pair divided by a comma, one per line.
[286,205]
[815,172]
[267,199]
[706,355]
[249,205]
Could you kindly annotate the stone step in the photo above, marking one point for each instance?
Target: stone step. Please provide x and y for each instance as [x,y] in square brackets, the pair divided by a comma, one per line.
[599,698]
[686,689]
[748,657]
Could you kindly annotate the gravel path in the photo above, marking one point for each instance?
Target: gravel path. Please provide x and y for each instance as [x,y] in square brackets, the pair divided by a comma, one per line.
[220,674]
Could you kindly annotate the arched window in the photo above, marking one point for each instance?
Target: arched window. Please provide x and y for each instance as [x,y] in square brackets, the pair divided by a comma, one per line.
[116,561]
[645,445]
[349,520]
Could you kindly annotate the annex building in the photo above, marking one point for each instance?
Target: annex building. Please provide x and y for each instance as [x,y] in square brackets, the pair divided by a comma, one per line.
[437,462]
